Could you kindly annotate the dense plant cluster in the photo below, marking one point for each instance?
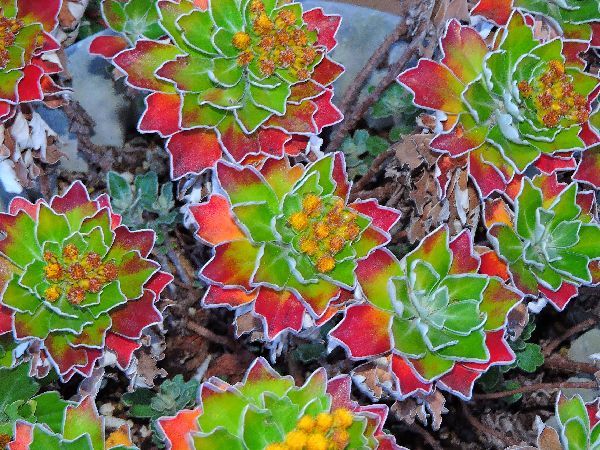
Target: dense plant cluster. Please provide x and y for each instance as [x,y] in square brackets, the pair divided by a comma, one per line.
[268,411]
[242,90]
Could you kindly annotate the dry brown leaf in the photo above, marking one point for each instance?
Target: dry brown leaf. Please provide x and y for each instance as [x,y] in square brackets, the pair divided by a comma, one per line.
[147,368]
[230,366]
[248,323]
[518,317]
[413,150]
[409,410]
[373,376]
[455,203]
[422,407]
[450,9]
[548,439]
[69,19]
[436,405]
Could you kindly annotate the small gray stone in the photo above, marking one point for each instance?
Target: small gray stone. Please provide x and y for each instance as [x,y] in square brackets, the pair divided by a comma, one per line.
[588,395]
[585,345]
[95,90]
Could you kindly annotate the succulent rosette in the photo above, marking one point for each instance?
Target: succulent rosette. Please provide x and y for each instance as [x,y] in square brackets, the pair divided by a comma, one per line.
[551,242]
[576,428]
[268,412]
[241,77]
[75,282]
[286,239]
[72,427]
[442,321]
[576,19]
[506,106]
[26,47]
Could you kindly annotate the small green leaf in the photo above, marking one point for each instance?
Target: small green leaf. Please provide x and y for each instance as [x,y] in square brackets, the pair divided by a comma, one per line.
[360,151]
[396,100]
[147,189]
[530,358]
[120,191]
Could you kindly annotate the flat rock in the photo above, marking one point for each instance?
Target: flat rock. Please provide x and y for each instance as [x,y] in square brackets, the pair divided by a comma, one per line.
[585,345]
[95,90]
[362,31]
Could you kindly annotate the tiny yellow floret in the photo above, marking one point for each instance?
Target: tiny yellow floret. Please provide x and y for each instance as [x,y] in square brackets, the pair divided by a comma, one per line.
[296,440]
[117,438]
[311,203]
[53,271]
[336,244]
[325,264]
[322,230]
[342,418]
[70,252]
[241,40]
[245,58]
[340,438]
[308,246]
[306,424]
[317,442]
[276,447]
[52,293]
[263,24]
[298,221]
[324,421]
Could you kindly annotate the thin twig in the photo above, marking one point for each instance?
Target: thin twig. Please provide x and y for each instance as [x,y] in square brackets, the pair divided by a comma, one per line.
[206,333]
[164,262]
[486,429]
[580,327]
[174,258]
[353,118]
[562,364]
[375,165]
[427,437]
[374,61]
[538,387]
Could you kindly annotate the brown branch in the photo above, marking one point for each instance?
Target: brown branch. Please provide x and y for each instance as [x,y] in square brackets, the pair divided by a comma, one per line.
[486,429]
[562,364]
[374,61]
[207,334]
[375,166]
[180,267]
[538,387]
[353,118]
[580,327]
[427,437]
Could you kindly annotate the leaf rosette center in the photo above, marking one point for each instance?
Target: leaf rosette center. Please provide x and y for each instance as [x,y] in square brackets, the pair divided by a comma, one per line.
[323,228]
[274,41]
[76,274]
[552,95]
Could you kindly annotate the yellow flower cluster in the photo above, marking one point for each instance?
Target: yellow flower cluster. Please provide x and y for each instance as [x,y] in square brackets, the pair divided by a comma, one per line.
[324,230]
[278,43]
[117,438]
[8,31]
[554,96]
[324,432]
[76,274]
